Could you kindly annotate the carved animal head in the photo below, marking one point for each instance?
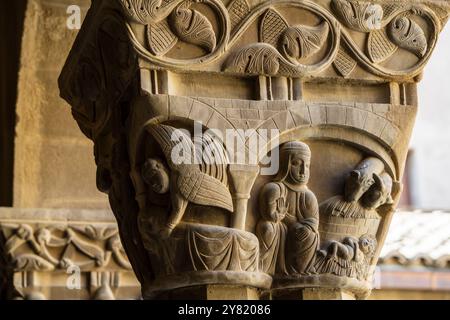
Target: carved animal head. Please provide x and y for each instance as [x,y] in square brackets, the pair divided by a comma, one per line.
[380,192]
[156,175]
[362,178]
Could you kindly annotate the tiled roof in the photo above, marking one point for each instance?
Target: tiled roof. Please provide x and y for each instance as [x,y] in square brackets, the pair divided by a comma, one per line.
[418,238]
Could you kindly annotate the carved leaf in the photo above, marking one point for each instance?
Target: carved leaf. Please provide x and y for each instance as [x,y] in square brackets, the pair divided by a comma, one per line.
[302,41]
[408,35]
[140,10]
[390,10]
[90,250]
[358,15]
[238,9]
[261,59]
[160,38]
[193,27]
[379,46]
[344,64]
[272,26]
[95,232]
[29,262]
[148,11]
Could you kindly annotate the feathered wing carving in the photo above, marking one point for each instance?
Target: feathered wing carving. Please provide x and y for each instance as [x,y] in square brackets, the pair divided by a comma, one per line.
[171,139]
[203,182]
[214,159]
[202,189]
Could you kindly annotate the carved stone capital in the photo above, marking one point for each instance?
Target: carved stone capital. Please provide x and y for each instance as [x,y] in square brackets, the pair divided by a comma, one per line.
[291,119]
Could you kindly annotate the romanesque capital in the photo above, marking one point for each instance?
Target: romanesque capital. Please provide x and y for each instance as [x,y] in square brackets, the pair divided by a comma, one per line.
[251,148]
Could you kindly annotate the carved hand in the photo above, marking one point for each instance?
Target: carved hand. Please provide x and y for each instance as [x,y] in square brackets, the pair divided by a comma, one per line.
[165,232]
[282,209]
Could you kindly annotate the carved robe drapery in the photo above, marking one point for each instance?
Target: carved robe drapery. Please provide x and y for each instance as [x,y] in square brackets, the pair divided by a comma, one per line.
[302,220]
[271,230]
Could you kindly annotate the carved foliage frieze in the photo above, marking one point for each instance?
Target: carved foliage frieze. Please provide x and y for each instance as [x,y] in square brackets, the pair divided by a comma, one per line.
[285,43]
[49,247]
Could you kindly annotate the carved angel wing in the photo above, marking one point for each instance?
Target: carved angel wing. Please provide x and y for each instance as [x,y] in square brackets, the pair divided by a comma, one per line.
[175,143]
[200,188]
[214,158]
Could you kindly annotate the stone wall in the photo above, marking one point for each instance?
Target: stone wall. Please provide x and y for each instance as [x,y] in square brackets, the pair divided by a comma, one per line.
[11,25]
[54,165]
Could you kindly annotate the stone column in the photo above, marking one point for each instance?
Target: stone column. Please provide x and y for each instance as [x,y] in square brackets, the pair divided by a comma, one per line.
[180,97]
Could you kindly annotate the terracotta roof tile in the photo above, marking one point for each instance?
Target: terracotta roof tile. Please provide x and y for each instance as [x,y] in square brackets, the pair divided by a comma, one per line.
[418,238]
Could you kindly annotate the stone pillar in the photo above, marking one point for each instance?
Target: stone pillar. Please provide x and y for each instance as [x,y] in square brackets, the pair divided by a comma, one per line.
[181,97]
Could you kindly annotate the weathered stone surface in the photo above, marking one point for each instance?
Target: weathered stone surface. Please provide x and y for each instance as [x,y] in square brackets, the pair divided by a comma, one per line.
[64,254]
[47,141]
[329,87]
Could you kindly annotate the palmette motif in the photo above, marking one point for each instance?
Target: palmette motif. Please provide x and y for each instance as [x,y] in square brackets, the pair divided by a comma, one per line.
[180,21]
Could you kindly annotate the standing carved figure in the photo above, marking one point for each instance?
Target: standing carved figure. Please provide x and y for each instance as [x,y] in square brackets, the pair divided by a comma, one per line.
[290,206]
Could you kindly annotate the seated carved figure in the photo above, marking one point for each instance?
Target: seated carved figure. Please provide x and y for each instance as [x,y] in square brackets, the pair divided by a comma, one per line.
[186,181]
[289,204]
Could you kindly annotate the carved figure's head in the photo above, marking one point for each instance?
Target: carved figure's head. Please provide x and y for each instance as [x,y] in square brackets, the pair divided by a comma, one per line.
[295,157]
[368,245]
[156,175]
